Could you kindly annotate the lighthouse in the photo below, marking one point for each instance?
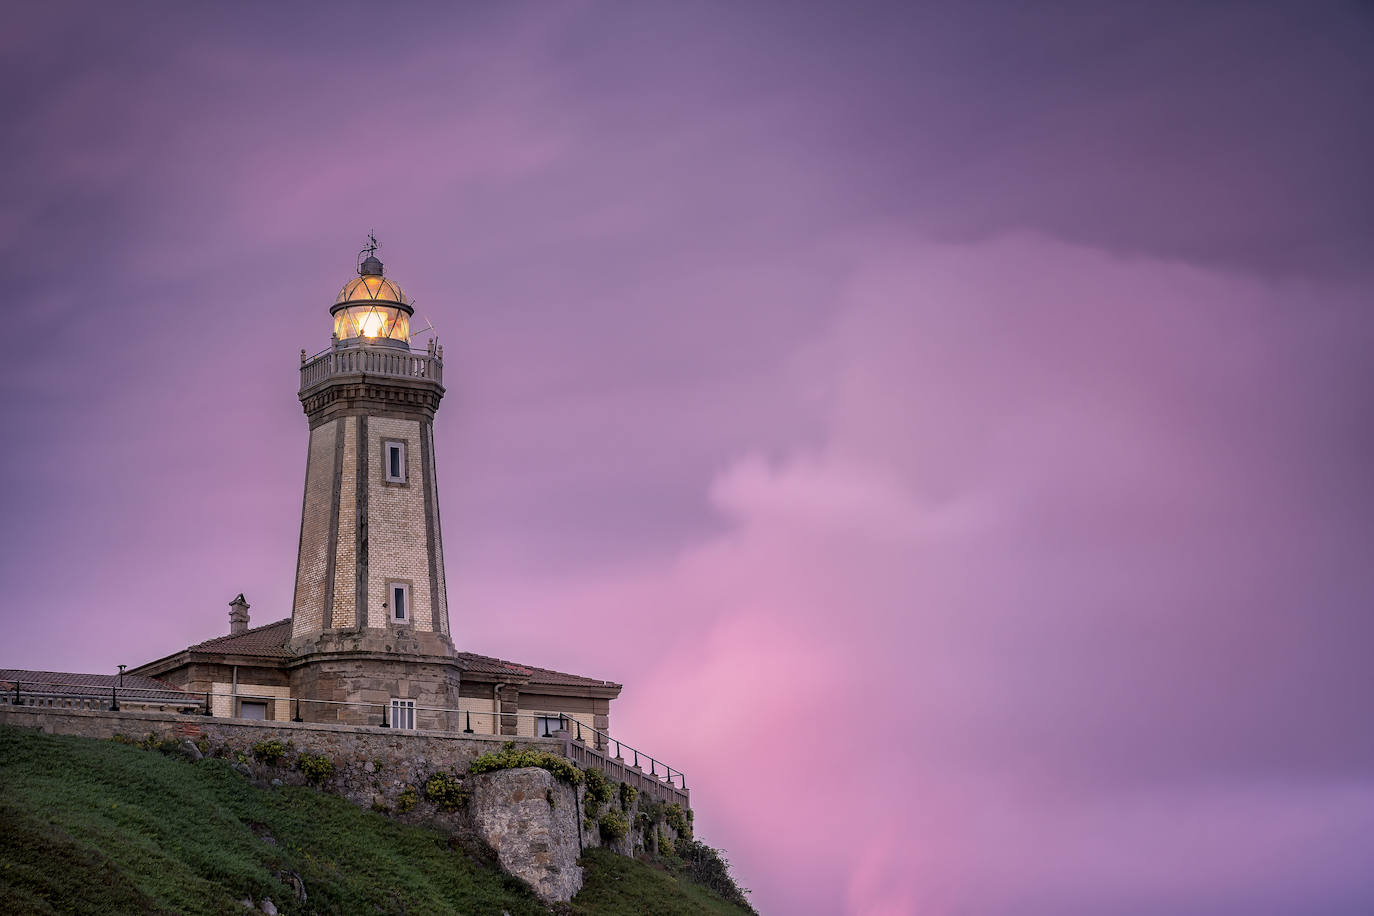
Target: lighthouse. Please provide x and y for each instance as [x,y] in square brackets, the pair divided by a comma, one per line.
[369,617]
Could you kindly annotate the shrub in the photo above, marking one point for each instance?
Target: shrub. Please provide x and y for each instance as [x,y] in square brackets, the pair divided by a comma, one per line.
[407,799]
[677,820]
[446,791]
[709,868]
[614,826]
[598,790]
[269,751]
[650,842]
[316,767]
[509,759]
[665,844]
[628,794]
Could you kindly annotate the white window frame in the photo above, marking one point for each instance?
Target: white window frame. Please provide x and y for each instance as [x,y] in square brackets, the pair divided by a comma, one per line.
[398,445]
[406,614]
[402,714]
[553,720]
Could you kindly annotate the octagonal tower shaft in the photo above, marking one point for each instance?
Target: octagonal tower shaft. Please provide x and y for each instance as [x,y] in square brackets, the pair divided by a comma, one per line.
[370,572]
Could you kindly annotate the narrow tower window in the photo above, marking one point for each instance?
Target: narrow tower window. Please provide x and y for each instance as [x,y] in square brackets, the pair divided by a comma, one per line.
[394,458]
[400,602]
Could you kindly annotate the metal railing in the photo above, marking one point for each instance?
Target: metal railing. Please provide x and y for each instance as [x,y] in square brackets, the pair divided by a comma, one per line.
[391,362]
[582,743]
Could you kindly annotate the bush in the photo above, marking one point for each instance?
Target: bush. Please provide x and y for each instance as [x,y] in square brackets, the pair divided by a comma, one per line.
[269,751]
[614,826]
[709,868]
[677,820]
[446,791]
[510,758]
[407,799]
[599,790]
[628,794]
[316,767]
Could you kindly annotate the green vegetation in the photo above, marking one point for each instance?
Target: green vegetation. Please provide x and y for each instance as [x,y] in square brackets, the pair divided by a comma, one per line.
[628,794]
[613,825]
[446,791]
[101,827]
[407,799]
[269,751]
[677,820]
[509,758]
[96,827]
[616,885]
[598,792]
[316,767]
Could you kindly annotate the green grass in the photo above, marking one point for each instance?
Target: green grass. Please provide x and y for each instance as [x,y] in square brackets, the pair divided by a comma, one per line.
[98,827]
[614,885]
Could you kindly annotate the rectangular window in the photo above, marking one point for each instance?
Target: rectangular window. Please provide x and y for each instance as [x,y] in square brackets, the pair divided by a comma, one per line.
[547,726]
[394,460]
[400,602]
[402,713]
[253,709]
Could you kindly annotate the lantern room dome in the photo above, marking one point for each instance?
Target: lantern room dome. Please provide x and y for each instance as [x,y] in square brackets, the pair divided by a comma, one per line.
[371,288]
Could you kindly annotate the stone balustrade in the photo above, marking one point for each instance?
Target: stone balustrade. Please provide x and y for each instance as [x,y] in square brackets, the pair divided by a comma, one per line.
[365,360]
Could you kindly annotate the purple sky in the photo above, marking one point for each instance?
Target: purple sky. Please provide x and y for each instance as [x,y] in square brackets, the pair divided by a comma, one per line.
[954,426]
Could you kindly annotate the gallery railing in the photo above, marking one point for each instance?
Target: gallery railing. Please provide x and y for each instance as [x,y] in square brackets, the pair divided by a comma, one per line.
[582,744]
[390,362]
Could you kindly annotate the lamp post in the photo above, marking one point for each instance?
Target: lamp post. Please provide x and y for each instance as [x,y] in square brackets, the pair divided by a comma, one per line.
[114,690]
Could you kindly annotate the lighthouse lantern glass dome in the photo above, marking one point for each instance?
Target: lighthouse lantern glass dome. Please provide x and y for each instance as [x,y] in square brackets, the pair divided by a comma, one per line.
[374,308]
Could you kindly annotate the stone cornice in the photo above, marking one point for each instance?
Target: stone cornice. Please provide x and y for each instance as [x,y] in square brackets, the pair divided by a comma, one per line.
[340,395]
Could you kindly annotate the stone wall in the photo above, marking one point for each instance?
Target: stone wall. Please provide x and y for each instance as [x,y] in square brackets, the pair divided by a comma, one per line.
[536,825]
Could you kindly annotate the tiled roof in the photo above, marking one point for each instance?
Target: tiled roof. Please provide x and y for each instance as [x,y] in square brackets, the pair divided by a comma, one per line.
[67,683]
[267,641]
[547,676]
[485,664]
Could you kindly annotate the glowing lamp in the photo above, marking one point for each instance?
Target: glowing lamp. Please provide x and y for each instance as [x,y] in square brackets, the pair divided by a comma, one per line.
[372,309]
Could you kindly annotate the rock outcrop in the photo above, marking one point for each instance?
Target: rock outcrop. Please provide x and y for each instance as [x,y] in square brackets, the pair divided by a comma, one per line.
[531,820]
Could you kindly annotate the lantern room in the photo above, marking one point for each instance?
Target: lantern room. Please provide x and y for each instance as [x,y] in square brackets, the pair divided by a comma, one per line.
[372,309]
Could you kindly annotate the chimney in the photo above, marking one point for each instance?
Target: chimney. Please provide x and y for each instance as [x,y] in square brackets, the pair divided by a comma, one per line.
[238,616]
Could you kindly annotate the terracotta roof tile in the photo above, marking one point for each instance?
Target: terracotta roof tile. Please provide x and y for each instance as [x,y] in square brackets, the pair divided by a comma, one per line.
[488,665]
[68,683]
[267,641]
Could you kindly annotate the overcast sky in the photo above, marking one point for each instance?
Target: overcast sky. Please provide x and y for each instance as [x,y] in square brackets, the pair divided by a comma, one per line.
[952,423]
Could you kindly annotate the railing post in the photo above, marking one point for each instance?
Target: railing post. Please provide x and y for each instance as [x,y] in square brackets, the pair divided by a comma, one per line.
[16,693]
[114,697]
[384,725]
[207,704]
[468,730]
[297,716]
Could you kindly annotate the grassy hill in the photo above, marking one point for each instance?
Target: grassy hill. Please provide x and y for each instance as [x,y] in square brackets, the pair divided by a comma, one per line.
[98,827]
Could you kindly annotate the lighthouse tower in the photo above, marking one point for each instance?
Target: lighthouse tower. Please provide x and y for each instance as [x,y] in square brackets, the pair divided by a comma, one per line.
[369,621]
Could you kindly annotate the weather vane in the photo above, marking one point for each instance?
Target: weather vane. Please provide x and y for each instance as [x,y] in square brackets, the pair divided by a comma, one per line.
[370,249]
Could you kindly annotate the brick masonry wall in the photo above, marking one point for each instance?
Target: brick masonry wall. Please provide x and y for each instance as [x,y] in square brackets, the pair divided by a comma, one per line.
[441,598]
[313,561]
[345,558]
[398,549]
